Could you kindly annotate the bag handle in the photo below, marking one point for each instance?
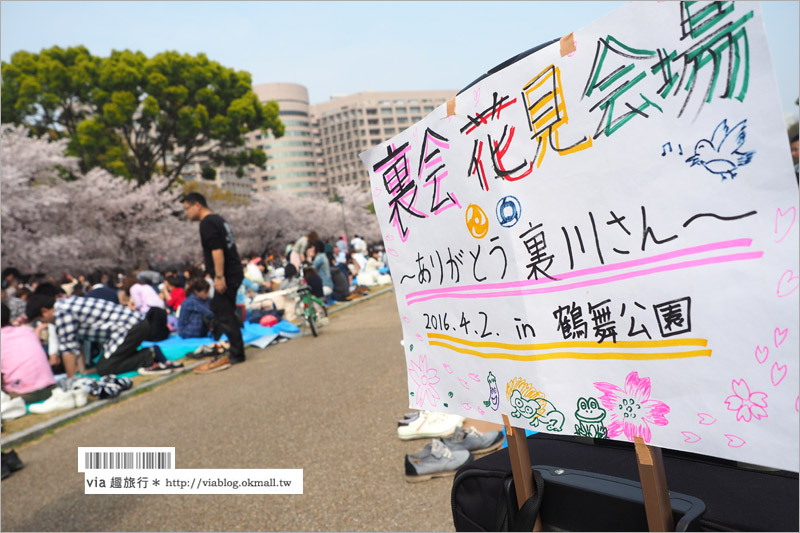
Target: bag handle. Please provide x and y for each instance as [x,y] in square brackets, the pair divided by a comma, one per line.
[525,519]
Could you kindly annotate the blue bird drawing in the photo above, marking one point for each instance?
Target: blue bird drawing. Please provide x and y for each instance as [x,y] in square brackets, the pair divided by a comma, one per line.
[722,155]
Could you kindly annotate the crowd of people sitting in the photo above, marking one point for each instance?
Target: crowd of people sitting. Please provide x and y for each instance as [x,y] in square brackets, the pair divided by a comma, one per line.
[56,332]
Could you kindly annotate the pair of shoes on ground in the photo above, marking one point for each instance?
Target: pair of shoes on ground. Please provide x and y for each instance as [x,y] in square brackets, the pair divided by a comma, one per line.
[12,407]
[217,364]
[60,400]
[443,457]
[160,368]
[107,387]
[427,425]
[218,350]
[11,463]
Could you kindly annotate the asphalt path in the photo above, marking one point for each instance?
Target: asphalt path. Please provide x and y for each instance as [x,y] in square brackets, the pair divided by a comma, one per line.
[328,405]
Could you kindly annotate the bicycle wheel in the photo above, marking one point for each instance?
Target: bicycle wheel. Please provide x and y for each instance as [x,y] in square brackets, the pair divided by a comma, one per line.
[312,323]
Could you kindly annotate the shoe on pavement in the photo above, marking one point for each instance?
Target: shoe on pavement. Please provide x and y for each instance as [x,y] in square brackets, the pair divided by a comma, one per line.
[215,365]
[12,407]
[155,369]
[59,400]
[203,351]
[173,365]
[435,460]
[429,425]
[12,461]
[474,441]
[408,418]
[79,395]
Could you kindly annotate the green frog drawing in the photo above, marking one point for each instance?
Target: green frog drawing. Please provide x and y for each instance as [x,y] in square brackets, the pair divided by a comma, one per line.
[590,419]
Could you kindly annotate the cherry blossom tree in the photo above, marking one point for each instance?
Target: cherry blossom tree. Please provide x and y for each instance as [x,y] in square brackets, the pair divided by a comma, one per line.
[54,223]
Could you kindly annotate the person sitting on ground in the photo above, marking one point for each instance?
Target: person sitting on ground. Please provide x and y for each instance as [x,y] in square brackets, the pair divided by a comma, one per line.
[173,293]
[141,295]
[313,281]
[120,329]
[23,363]
[194,309]
[341,285]
[321,264]
[371,274]
[291,277]
[98,289]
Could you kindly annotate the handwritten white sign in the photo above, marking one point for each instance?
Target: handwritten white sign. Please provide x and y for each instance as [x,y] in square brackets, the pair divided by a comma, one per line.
[603,241]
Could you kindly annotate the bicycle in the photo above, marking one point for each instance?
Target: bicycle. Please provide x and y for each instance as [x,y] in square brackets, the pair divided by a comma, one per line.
[311,309]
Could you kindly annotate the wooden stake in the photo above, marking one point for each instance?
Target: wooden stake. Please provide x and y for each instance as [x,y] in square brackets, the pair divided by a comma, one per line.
[654,486]
[521,466]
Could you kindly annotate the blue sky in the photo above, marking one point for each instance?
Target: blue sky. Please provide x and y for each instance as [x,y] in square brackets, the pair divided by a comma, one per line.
[342,47]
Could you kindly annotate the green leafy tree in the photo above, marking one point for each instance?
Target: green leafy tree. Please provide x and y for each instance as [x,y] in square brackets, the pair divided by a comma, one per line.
[135,116]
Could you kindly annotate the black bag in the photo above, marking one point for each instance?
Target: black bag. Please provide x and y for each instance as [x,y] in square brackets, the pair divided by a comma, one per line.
[593,485]
[157,318]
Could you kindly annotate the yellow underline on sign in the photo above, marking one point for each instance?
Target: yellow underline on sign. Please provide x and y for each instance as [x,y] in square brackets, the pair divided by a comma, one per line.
[628,356]
[663,343]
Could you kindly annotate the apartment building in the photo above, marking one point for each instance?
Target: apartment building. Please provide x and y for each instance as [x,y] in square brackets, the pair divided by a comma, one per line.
[345,126]
[320,146]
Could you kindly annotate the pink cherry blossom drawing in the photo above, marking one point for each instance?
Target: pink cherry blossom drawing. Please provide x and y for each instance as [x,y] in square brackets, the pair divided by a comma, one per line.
[706,419]
[630,410]
[474,377]
[464,383]
[448,368]
[424,378]
[466,406]
[734,441]
[777,373]
[746,404]
[762,352]
[779,214]
[780,334]
[691,438]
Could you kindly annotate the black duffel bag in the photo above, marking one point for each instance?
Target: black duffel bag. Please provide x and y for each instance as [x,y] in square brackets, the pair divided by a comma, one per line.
[593,485]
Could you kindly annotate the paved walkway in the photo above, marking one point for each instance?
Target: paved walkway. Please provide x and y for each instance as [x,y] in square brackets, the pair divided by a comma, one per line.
[328,405]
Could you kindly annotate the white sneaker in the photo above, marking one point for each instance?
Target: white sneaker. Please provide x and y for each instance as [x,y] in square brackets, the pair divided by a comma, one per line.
[429,425]
[79,394]
[59,400]
[12,407]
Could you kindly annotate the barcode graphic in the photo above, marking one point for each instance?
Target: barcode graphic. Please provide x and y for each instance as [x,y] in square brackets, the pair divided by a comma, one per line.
[127,460]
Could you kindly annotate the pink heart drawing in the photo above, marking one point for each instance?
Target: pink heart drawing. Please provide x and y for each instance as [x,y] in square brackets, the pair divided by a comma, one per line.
[706,419]
[466,406]
[782,334]
[789,286]
[463,383]
[448,368]
[762,350]
[691,438]
[734,441]
[481,411]
[392,252]
[777,373]
[474,377]
[779,214]
[376,192]
[388,237]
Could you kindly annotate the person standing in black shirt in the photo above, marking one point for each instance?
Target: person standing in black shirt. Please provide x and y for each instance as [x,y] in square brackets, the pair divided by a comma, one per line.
[223,264]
